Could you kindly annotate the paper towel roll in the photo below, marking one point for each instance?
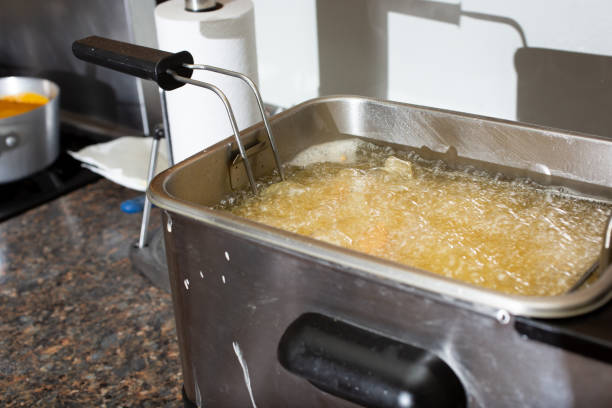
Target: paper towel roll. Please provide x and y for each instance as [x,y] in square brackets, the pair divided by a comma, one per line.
[225,38]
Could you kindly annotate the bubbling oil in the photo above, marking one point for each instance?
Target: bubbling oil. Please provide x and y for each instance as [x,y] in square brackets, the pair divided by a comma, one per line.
[511,236]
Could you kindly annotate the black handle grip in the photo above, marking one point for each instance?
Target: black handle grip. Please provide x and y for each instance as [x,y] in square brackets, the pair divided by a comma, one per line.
[367,368]
[143,62]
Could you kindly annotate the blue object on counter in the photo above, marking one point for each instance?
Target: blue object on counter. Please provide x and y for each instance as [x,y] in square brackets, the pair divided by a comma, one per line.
[133,206]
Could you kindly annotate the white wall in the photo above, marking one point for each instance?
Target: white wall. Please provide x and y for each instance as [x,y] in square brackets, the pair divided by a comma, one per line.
[466,65]
[287,50]
[470,67]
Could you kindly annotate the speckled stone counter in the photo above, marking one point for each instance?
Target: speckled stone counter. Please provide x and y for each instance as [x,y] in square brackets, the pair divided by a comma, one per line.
[78,327]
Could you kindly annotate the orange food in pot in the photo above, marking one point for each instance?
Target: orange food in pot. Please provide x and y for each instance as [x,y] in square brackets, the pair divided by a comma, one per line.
[12,105]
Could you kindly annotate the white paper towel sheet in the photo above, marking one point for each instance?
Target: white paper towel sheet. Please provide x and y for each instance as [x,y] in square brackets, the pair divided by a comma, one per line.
[223,38]
[124,161]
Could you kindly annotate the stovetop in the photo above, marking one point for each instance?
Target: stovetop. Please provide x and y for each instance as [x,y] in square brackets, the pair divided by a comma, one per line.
[61,177]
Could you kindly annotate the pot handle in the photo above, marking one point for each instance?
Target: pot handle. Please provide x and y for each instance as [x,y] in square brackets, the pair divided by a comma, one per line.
[142,62]
[367,368]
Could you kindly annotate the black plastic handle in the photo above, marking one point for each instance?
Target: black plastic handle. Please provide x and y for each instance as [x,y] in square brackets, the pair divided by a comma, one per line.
[143,62]
[367,368]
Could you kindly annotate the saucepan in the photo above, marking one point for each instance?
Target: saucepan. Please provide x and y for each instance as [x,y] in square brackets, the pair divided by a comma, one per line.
[29,141]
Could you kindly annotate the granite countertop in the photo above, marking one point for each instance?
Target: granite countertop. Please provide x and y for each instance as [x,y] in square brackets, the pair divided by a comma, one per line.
[78,326]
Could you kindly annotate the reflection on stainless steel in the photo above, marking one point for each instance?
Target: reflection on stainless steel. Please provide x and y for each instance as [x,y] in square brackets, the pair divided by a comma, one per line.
[92,126]
[258,280]
[36,38]
[9,141]
[30,141]
[199,5]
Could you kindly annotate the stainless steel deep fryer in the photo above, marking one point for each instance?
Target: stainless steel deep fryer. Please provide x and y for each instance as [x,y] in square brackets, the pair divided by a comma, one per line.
[516,150]
[240,285]
[268,318]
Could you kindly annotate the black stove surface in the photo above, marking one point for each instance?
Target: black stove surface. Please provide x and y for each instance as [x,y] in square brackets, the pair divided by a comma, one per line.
[61,177]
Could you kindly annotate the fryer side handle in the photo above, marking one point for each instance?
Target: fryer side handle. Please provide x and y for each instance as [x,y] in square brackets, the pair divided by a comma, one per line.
[136,60]
[367,368]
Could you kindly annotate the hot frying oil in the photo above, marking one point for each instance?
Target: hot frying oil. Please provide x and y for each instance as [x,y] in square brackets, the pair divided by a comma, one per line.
[510,236]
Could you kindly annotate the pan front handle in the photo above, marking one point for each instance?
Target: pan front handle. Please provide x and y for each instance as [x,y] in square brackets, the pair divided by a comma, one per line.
[142,62]
[366,368]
